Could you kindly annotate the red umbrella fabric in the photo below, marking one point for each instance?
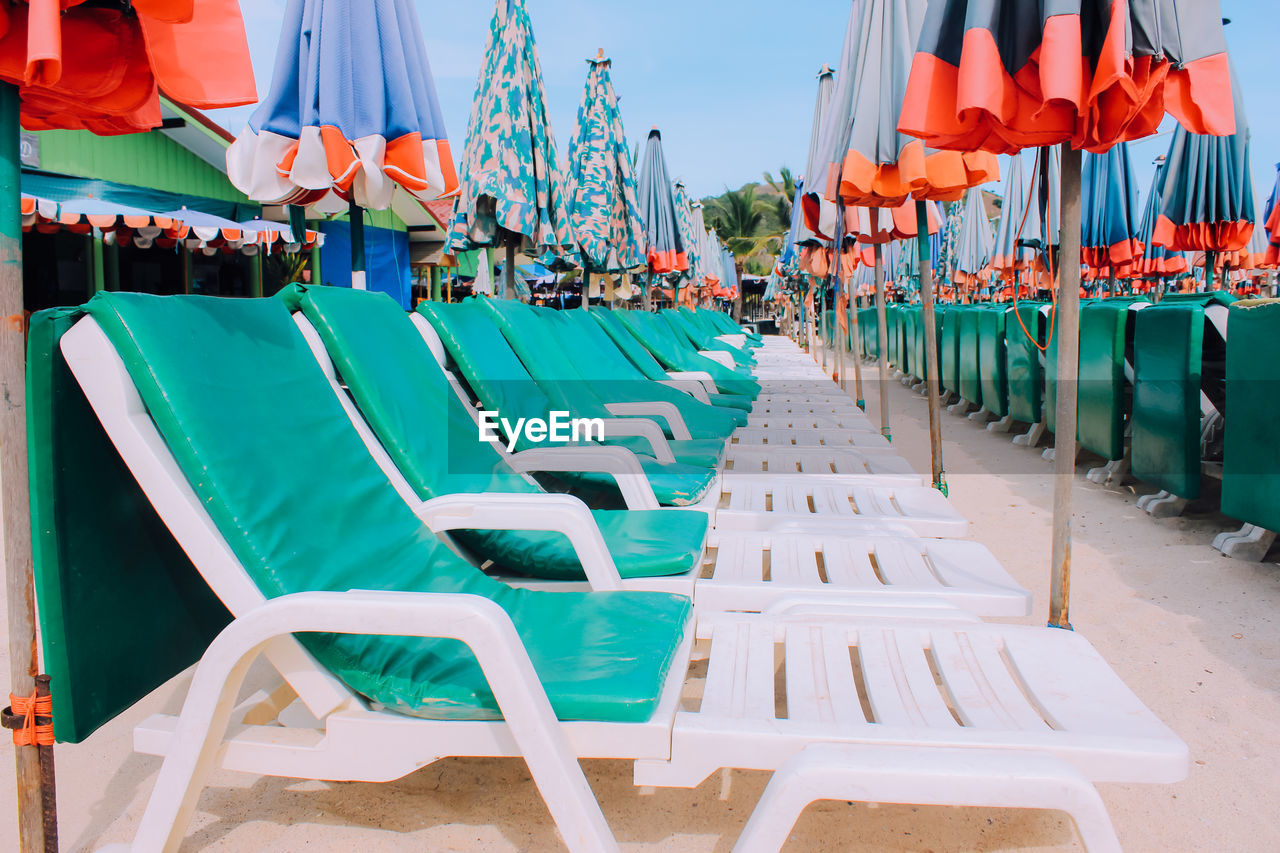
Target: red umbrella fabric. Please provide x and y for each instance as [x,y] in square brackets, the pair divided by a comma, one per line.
[79,66]
[993,75]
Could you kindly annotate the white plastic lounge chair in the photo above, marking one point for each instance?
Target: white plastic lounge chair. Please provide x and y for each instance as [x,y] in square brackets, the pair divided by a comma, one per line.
[921,678]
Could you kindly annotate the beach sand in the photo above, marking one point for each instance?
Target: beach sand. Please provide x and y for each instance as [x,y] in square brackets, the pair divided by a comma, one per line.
[1195,635]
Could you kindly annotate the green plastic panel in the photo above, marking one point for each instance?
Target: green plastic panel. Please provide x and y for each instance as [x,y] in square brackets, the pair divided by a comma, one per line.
[1023,361]
[910,320]
[122,610]
[1168,354]
[894,319]
[949,349]
[970,378]
[1103,396]
[991,356]
[1251,467]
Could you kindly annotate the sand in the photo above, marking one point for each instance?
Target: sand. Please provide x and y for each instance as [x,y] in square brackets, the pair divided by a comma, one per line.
[1194,634]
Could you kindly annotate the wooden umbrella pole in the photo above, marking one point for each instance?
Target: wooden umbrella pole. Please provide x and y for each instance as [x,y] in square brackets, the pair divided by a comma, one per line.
[882,343]
[1210,261]
[37,825]
[509,274]
[930,347]
[586,288]
[1064,453]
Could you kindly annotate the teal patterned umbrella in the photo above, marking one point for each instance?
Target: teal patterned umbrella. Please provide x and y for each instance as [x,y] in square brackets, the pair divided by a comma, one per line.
[511,190]
[602,185]
[688,236]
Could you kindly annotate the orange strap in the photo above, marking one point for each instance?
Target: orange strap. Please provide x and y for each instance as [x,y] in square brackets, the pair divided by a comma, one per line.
[1053,284]
[30,707]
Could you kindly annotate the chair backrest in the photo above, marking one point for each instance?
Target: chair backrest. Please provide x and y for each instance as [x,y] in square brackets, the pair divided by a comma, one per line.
[629,345]
[262,479]
[485,359]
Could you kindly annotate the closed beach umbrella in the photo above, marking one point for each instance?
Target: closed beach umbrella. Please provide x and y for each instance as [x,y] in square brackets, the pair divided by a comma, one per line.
[975,244]
[689,234]
[993,75]
[1206,192]
[1271,223]
[351,115]
[815,168]
[512,192]
[1029,214]
[875,165]
[1109,224]
[664,248]
[602,188]
[1156,261]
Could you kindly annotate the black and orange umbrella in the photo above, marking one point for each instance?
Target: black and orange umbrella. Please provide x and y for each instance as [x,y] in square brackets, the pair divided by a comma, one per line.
[1206,193]
[1109,244]
[1003,75]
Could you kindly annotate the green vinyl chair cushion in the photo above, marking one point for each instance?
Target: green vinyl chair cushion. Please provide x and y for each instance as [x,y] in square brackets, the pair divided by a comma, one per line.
[1251,464]
[949,349]
[970,368]
[502,384]
[1103,412]
[673,356]
[991,356]
[399,386]
[1024,365]
[1168,348]
[274,459]
[122,609]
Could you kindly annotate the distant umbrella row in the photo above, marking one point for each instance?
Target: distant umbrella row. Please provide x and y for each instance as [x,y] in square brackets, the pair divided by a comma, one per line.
[192,229]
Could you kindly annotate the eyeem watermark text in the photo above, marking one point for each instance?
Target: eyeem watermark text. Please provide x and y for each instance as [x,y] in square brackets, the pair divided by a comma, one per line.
[561,429]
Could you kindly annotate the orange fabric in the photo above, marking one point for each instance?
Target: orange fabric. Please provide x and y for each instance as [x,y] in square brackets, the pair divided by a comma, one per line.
[940,176]
[203,62]
[1060,95]
[80,67]
[1202,236]
[662,263]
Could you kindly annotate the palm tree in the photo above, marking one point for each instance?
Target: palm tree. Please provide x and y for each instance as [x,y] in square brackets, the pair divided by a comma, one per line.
[739,218]
[785,185]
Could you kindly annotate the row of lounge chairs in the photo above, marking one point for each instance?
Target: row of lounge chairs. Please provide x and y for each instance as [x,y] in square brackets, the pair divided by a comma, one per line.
[303,478]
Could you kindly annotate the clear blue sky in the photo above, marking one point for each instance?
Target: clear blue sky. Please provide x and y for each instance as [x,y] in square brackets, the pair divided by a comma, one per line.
[731,83]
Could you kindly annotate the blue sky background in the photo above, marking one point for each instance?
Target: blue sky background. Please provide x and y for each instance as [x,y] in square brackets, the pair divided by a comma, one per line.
[730,83]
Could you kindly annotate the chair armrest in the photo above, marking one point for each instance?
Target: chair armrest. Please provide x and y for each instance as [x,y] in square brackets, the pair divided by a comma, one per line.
[654,408]
[701,376]
[594,458]
[718,356]
[641,428]
[693,389]
[558,513]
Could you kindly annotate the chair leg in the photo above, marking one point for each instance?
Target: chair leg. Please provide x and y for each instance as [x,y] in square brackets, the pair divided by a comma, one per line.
[1250,543]
[925,776]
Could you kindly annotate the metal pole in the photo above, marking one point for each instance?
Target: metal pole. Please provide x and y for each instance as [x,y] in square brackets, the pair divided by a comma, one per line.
[930,347]
[1068,331]
[882,342]
[34,774]
[358,281]
[1210,261]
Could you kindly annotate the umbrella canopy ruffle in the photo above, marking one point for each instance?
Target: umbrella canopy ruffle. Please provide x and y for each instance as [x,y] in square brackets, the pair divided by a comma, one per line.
[352,112]
[989,75]
[1022,222]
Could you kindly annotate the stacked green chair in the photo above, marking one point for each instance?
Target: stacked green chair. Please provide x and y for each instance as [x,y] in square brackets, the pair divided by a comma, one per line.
[968,368]
[1027,330]
[1251,459]
[1179,353]
[949,349]
[1106,391]
[993,357]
